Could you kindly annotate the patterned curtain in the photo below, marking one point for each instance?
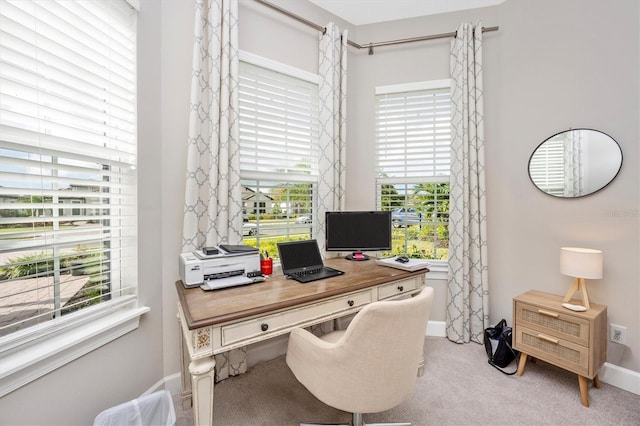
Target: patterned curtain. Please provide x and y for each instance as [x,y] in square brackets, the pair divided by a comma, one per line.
[468,291]
[213,205]
[332,132]
[573,169]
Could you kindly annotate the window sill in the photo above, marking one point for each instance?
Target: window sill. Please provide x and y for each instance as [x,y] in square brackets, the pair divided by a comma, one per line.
[29,355]
[439,270]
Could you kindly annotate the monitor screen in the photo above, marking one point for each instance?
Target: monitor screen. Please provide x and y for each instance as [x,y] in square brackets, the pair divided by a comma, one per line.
[358,231]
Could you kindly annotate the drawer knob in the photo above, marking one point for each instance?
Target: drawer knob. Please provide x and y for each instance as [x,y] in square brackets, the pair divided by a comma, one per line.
[548,339]
[400,288]
[264,326]
[350,302]
[547,313]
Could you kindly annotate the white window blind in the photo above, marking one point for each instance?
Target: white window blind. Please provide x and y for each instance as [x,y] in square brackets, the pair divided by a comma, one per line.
[278,124]
[413,161]
[68,221]
[413,132]
[547,167]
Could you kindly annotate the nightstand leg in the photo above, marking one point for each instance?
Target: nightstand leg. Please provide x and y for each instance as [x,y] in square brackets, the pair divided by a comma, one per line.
[596,382]
[584,393]
[521,363]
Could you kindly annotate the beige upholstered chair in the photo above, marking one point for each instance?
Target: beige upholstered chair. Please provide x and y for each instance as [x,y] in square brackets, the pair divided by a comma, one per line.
[372,365]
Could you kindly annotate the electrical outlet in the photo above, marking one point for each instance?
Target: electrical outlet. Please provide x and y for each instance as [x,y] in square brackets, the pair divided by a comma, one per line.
[618,334]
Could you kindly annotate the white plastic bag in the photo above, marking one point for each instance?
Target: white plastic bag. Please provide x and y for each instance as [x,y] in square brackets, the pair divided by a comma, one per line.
[155,409]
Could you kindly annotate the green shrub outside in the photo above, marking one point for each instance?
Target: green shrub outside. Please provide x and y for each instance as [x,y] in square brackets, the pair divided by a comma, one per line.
[32,264]
[270,245]
[422,251]
[43,265]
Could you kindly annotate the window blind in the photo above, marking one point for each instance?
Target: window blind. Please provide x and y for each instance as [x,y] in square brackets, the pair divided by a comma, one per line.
[413,132]
[67,157]
[278,125]
[547,167]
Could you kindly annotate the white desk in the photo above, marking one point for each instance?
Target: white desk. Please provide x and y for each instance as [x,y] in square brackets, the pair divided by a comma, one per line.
[218,321]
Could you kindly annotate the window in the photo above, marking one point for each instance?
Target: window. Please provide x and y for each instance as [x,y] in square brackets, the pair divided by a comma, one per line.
[68,213]
[413,150]
[547,167]
[279,152]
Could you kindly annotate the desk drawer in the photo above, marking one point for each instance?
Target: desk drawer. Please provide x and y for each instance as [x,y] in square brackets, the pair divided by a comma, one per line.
[562,353]
[281,322]
[554,323]
[399,287]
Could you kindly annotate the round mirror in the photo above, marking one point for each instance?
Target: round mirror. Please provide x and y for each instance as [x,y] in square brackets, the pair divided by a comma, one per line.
[575,163]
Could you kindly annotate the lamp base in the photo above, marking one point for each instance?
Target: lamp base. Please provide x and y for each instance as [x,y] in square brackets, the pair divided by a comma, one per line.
[578,285]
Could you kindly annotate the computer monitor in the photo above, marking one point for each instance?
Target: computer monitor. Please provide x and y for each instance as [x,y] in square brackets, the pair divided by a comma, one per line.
[358,231]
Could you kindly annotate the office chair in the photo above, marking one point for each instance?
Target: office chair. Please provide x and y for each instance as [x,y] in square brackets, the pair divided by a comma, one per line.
[372,365]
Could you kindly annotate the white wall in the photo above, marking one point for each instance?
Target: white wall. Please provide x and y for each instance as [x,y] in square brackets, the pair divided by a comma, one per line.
[586,50]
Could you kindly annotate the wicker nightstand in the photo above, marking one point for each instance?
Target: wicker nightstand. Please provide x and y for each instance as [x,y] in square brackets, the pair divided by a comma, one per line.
[575,341]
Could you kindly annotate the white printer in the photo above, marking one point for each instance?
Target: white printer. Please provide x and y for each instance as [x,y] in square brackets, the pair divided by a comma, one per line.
[220,267]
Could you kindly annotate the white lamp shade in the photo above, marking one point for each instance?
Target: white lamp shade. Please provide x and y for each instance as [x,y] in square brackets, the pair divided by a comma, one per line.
[581,262]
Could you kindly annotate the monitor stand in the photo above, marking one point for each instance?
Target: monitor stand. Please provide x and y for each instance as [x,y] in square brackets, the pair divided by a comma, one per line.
[357,255]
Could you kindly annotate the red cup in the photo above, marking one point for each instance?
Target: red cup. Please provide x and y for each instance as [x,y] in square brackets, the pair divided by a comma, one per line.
[266,266]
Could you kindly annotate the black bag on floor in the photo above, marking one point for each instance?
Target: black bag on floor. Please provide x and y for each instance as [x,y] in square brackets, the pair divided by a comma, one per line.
[497,343]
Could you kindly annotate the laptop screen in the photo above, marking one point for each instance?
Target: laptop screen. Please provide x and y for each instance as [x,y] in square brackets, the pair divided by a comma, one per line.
[296,255]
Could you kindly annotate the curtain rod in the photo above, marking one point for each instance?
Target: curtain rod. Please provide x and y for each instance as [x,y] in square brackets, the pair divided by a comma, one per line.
[370,46]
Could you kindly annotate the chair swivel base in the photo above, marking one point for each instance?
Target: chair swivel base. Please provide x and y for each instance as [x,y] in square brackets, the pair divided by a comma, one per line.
[356,420]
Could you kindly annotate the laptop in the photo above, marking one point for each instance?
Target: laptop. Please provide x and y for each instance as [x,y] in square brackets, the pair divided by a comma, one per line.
[301,261]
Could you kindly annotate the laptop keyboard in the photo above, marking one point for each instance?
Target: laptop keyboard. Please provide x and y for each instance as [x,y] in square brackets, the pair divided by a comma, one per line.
[308,272]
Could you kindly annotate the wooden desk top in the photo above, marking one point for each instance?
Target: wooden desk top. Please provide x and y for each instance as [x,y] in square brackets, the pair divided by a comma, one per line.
[204,308]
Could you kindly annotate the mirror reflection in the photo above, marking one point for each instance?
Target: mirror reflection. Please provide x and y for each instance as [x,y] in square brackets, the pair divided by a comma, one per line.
[575,163]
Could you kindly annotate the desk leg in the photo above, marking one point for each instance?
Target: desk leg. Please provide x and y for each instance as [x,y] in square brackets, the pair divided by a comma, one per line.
[185,378]
[421,367]
[202,379]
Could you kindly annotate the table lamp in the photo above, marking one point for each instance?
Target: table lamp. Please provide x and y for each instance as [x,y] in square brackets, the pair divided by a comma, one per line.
[580,263]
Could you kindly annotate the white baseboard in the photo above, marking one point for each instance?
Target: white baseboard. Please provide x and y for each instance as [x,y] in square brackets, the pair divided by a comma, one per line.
[436,329]
[619,377]
[611,374]
[171,383]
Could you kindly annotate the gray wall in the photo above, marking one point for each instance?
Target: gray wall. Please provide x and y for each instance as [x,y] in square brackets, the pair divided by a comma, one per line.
[553,65]
[566,64]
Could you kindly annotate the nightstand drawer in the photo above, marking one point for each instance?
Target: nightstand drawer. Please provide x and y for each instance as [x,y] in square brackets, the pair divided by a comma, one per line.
[560,352]
[555,323]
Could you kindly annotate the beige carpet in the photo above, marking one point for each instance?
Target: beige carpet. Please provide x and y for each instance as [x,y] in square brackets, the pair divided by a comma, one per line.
[459,387]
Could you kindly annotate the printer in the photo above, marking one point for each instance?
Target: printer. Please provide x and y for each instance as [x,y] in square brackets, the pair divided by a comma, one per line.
[238,265]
